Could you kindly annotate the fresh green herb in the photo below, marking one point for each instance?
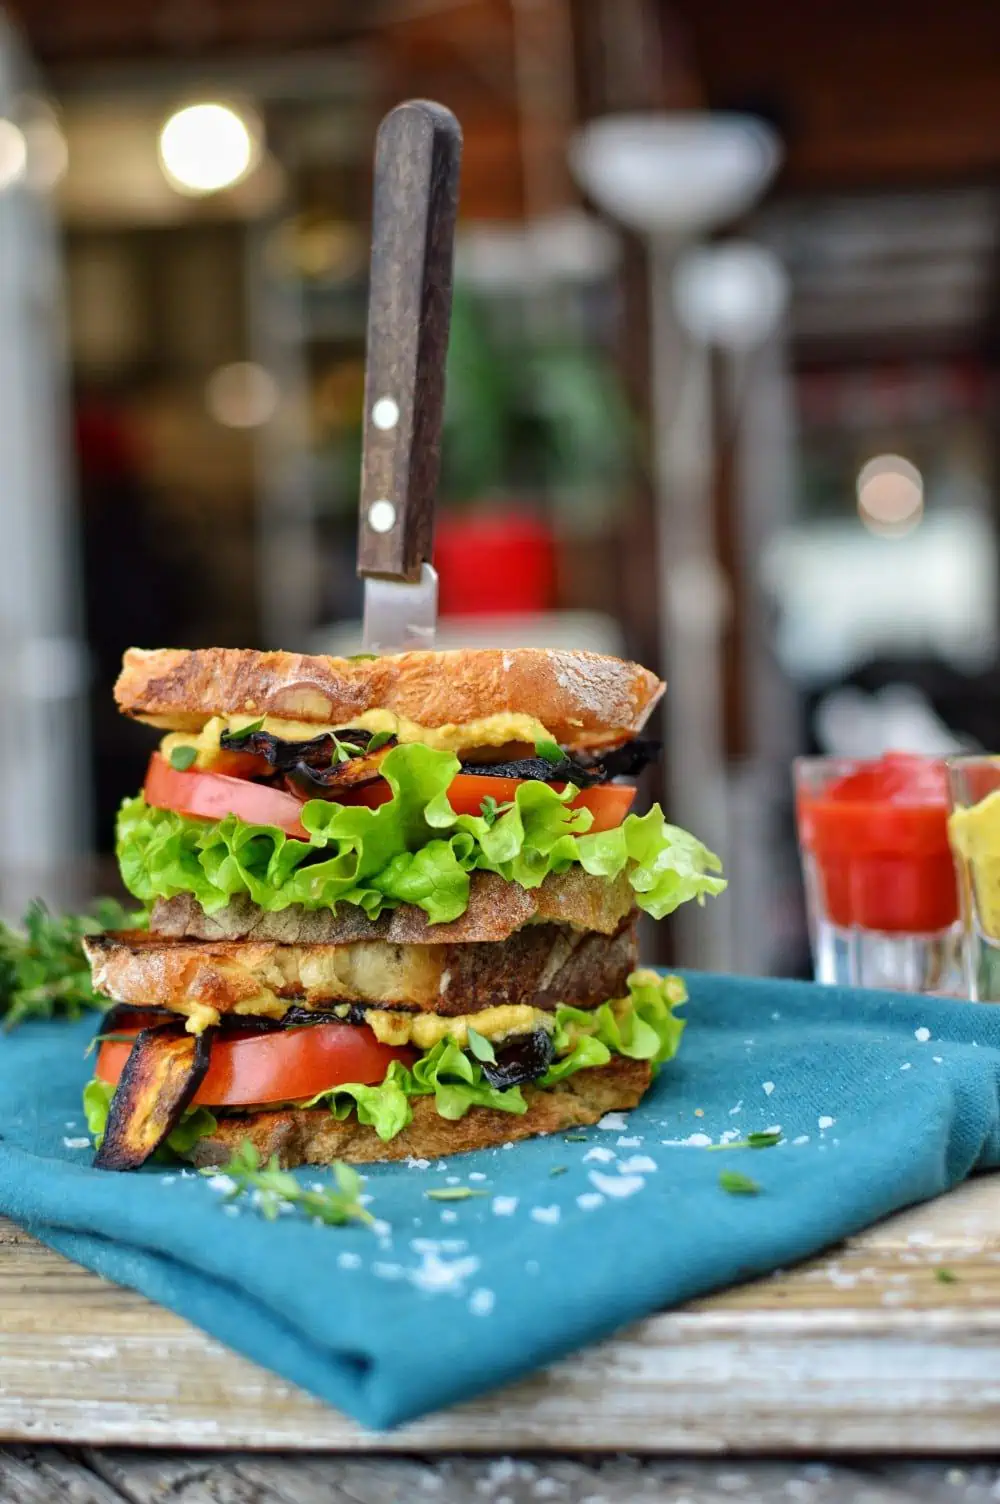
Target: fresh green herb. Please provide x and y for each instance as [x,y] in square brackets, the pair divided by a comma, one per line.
[244,731]
[275,1189]
[550,750]
[737,1184]
[453,1193]
[491,810]
[344,751]
[362,657]
[378,740]
[558,1169]
[945,1276]
[480,1046]
[182,758]
[574,1138]
[43,971]
[752,1141]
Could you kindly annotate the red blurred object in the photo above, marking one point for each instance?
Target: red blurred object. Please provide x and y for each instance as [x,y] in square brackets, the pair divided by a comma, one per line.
[879,839]
[494,565]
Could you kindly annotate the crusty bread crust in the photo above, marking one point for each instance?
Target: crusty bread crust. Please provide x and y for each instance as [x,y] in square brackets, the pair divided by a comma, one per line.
[312,1136]
[496,910]
[542,966]
[581,698]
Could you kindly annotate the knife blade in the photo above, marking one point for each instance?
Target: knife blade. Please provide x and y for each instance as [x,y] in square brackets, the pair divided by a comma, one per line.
[415,203]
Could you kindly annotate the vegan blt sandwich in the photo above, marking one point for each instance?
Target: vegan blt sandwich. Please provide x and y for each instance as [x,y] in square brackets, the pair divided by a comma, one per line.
[392,905]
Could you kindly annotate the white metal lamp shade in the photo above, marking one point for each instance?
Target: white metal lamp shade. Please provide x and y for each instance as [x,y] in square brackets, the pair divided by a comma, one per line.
[676,175]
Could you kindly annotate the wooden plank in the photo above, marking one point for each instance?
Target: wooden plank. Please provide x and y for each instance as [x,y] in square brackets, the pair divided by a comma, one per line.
[890,1343]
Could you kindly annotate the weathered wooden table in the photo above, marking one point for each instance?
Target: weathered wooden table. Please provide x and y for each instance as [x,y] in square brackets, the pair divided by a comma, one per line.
[887,1346]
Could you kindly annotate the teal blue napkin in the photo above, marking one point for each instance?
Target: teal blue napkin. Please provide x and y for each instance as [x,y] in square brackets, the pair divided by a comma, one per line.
[882,1101]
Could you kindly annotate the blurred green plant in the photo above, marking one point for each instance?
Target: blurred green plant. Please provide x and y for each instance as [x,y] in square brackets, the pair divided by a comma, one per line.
[527,415]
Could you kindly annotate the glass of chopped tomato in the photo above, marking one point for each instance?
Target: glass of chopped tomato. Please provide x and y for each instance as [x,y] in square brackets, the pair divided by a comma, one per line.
[881,889]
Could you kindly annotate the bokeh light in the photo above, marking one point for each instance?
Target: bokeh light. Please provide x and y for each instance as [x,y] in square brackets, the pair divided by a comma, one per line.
[890,495]
[207,147]
[241,395]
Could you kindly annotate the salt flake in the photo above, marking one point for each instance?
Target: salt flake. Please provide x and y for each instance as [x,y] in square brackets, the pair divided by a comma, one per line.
[504,1206]
[922,1034]
[588,1200]
[599,1155]
[623,1185]
[613,1122]
[481,1302]
[768,1087]
[638,1164]
[76,1143]
[825,1122]
[548,1214]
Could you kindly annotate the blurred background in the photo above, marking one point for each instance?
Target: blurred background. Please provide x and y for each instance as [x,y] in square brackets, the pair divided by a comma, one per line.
[722,389]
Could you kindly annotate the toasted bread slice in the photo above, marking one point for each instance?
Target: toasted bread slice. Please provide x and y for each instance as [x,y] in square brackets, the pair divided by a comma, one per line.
[581,698]
[540,967]
[496,910]
[312,1136]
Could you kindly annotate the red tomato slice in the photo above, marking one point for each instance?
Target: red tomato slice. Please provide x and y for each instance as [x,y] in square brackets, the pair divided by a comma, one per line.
[210,796]
[289,1065]
[609,803]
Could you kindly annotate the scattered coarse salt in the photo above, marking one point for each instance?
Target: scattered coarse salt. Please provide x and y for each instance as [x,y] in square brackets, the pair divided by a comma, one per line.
[588,1200]
[803,1138]
[453,1180]
[224,1184]
[167,1179]
[825,1122]
[476,1175]
[231,1210]
[768,1087]
[418,1164]
[448,1215]
[508,1145]
[729,1135]
[613,1122]
[938,1059]
[738,1108]
[922,1034]
[435,1274]
[624,1185]
[481,1302]
[906,1066]
[548,1214]
[693,1141]
[629,1143]
[638,1164]
[599,1155]
[76,1143]
[504,1206]
[381,1229]
[387,1271]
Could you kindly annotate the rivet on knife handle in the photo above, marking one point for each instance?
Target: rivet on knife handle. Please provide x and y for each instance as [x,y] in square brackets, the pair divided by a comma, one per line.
[417,155]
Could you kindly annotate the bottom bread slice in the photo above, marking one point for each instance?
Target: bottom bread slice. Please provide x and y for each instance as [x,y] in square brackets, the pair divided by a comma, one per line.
[313,1136]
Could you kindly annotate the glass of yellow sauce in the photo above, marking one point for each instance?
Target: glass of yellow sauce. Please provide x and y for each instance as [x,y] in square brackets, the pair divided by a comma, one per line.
[974,835]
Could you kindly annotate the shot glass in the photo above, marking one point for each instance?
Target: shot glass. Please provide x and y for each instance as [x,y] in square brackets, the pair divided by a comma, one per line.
[974,831]
[881,891]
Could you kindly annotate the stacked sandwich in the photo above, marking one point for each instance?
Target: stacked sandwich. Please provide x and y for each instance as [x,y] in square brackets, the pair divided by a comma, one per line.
[392,905]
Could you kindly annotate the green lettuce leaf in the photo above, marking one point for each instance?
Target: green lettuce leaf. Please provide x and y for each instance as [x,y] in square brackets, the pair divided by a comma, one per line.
[453,1078]
[413,849]
[195,1123]
[642,1026]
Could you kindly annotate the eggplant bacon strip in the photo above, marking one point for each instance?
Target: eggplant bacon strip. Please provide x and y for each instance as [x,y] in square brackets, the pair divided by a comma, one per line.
[162,1074]
[321,766]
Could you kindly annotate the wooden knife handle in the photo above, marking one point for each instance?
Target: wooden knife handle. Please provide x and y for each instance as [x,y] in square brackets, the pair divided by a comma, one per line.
[417,154]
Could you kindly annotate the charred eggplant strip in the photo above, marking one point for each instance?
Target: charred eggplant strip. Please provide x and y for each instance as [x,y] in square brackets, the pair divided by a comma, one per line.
[162,1074]
[625,761]
[325,761]
[525,1059]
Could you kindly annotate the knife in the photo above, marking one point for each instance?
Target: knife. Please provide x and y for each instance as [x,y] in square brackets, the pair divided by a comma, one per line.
[415,203]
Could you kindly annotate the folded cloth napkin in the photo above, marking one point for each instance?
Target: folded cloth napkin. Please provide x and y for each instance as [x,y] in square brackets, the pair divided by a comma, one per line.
[881,1100]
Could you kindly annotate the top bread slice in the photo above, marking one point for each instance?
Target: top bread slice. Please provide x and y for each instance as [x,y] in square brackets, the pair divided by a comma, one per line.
[581,698]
